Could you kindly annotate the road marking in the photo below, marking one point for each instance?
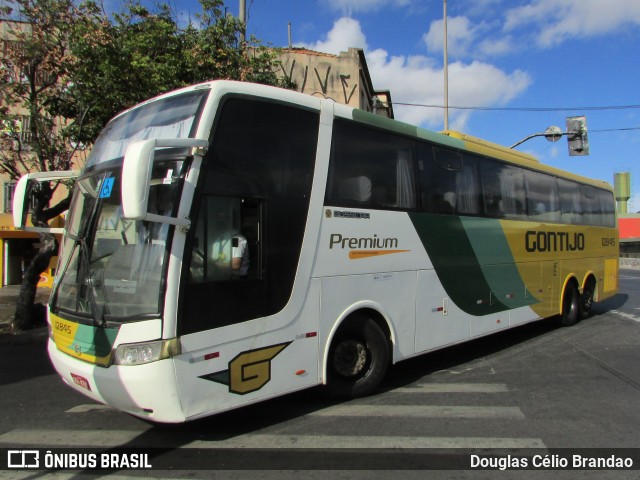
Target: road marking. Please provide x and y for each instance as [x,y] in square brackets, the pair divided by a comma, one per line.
[91,407]
[359,410]
[625,315]
[132,439]
[453,388]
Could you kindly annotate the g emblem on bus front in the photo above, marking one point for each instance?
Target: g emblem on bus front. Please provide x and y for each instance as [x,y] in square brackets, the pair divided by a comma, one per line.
[249,371]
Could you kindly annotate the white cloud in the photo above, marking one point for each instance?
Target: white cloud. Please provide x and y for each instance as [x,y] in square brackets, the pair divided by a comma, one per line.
[348,7]
[418,79]
[500,46]
[556,22]
[346,32]
[465,39]
[460,36]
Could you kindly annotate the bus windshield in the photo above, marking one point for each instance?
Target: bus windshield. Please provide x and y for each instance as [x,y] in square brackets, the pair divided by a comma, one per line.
[112,267]
[173,117]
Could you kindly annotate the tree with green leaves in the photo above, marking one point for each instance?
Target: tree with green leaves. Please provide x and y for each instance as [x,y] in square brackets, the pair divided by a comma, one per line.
[35,67]
[136,54]
[70,68]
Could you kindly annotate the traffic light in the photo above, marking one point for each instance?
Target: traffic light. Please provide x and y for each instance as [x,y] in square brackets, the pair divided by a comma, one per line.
[577,136]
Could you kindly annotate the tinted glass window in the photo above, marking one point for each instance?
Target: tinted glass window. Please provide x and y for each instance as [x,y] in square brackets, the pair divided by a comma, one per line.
[607,204]
[542,196]
[370,168]
[590,205]
[570,202]
[256,184]
[503,189]
[449,181]
[598,206]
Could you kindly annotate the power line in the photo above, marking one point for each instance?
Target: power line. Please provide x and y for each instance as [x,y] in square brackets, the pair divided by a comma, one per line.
[523,109]
[614,129]
[537,109]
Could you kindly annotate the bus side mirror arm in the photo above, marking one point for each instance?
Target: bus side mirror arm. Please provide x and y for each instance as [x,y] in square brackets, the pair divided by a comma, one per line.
[136,177]
[21,198]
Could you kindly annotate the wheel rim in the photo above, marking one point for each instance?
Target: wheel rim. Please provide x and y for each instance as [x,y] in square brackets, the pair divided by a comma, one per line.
[571,305]
[350,358]
[588,301]
[587,297]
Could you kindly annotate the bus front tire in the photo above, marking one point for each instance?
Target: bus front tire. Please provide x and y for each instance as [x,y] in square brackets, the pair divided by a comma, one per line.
[570,306]
[358,359]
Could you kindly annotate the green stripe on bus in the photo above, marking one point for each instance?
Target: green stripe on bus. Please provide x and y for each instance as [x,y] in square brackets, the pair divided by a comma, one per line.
[405,129]
[473,262]
[496,260]
[94,340]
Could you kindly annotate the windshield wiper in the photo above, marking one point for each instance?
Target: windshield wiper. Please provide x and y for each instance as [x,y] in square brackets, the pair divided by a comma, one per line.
[97,309]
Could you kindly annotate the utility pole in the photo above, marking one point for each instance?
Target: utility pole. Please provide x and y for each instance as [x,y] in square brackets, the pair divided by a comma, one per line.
[446,71]
[243,18]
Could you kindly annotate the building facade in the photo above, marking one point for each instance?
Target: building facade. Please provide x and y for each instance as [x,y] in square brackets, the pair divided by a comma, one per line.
[17,247]
[344,78]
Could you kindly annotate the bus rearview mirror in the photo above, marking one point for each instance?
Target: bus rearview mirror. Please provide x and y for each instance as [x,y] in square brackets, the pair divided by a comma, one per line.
[136,173]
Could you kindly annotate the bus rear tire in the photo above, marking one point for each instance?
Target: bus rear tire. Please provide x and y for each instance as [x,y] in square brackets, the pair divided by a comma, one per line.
[586,299]
[358,359]
[570,306]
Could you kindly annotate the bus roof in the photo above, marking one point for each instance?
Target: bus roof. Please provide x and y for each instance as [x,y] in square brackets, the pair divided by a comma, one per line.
[449,138]
[466,142]
[490,149]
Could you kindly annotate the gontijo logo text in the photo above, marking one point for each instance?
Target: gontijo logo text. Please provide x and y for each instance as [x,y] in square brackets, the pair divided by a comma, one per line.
[542,241]
[364,247]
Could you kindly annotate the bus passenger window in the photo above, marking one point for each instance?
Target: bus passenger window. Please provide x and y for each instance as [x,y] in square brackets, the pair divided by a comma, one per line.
[570,204]
[503,188]
[370,168]
[449,180]
[542,193]
[355,189]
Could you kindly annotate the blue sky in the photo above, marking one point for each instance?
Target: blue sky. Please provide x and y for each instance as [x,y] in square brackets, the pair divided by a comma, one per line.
[573,57]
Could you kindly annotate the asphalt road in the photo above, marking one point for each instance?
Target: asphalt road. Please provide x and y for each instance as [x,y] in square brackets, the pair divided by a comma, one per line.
[534,389]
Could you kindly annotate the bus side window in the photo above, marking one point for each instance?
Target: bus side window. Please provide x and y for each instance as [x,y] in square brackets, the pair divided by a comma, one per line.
[370,168]
[542,194]
[591,207]
[570,203]
[503,189]
[608,208]
[449,181]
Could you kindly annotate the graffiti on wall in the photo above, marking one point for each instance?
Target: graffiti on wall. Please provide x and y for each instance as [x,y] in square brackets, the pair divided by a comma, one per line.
[326,81]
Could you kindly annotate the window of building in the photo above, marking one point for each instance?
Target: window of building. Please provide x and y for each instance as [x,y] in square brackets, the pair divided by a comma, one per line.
[9,189]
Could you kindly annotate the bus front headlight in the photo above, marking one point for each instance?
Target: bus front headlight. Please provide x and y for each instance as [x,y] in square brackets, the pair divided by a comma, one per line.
[147,352]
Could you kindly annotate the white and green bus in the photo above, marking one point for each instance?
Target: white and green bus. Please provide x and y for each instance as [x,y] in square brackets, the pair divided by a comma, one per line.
[230,242]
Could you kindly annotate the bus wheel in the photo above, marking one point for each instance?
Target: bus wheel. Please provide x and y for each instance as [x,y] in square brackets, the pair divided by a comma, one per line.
[358,359]
[570,306]
[586,299]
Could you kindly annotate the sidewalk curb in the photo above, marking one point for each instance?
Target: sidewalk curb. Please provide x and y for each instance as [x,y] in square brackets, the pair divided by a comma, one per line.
[37,336]
[8,300]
